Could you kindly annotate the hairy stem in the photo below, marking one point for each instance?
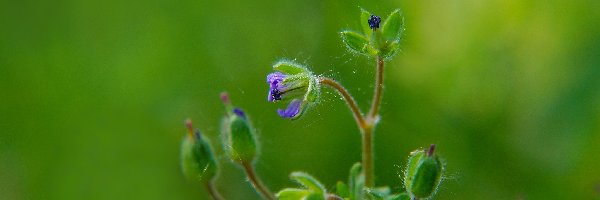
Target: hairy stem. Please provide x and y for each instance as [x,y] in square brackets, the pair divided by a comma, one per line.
[378,90]
[368,131]
[367,157]
[358,116]
[212,190]
[256,182]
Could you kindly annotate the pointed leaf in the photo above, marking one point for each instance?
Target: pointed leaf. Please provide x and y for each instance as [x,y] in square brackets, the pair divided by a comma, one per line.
[356,181]
[342,189]
[292,194]
[364,18]
[393,26]
[355,42]
[308,181]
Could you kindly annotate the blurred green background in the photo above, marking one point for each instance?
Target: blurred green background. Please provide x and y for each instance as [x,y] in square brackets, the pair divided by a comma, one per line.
[94,95]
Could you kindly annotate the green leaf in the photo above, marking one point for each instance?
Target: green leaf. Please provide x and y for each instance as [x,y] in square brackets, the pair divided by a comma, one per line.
[364,22]
[402,196]
[342,189]
[309,182]
[290,67]
[355,42]
[292,194]
[315,196]
[393,26]
[356,181]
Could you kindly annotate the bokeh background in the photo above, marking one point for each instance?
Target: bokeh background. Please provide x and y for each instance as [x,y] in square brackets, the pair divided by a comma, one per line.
[94,95]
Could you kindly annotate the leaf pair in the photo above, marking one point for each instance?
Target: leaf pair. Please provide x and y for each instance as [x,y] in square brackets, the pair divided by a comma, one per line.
[383,42]
[313,189]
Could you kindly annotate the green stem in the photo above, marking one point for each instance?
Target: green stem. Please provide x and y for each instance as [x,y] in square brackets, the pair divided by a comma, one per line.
[212,190]
[367,123]
[256,182]
[368,130]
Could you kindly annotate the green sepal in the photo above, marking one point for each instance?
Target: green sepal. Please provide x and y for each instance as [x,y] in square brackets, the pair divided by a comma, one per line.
[197,158]
[239,140]
[390,49]
[309,182]
[313,90]
[393,26]
[356,182]
[290,67]
[427,177]
[342,189]
[356,43]
[292,194]
[364,22]
[411,167]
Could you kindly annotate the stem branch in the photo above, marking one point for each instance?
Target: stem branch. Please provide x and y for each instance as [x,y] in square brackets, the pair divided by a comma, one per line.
[367,123]
[256,182]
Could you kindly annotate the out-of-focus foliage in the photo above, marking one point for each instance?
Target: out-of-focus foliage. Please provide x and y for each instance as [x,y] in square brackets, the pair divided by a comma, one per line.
[94,94]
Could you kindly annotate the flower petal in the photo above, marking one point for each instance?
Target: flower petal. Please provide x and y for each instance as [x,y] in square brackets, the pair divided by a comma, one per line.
[275,79]
[292,110]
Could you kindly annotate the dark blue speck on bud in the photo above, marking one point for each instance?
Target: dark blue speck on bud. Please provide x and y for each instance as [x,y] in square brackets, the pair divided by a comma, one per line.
[197,134]
[239,113]
[374,22]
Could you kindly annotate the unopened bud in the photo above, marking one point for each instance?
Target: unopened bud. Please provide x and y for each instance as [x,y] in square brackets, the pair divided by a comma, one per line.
[197,159]
[423,173]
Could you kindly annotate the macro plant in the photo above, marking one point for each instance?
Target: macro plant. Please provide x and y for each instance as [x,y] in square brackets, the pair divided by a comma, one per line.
[298,89]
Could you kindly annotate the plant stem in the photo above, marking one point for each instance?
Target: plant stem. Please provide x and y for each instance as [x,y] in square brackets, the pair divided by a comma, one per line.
[378,90]
[212,190]
[367,123]
[358,116]
[256,182]
[372,118]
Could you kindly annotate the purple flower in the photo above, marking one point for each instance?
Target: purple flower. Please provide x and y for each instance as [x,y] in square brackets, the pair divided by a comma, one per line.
[292,83]
[374,22]
[275,81]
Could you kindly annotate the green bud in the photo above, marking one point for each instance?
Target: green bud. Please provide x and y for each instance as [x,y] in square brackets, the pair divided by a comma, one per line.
[197,159]
[238,135]
[423,173]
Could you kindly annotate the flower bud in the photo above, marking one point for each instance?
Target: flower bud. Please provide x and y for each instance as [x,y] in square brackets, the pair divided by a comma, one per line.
[238,135]
[423,173]
[197,159]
